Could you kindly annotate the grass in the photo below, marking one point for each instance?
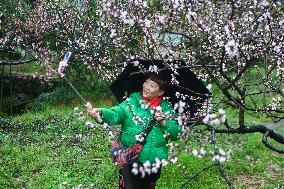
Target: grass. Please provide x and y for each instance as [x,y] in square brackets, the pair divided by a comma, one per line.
[250,160]
[47,152]
[49,147]
[30,68]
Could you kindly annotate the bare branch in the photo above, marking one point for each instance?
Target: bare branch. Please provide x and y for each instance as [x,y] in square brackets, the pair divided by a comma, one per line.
[270,146]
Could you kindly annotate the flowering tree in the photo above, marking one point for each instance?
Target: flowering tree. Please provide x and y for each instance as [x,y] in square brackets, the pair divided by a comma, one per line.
[236,45]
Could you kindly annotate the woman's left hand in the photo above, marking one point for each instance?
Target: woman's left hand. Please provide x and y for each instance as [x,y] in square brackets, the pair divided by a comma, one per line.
[159,116]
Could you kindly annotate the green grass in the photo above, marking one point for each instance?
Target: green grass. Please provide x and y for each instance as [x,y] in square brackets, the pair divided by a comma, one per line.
[45,152]
[30,68]
[251,165]
[40,149]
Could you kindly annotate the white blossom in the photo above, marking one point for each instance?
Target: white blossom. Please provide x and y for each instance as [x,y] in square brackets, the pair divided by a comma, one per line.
[158,163]
[222,159]
[174,160]
[136,63]
[141,170]
[162,19]
[221,156]
[113,33]
[76,109]
[277,49]
[153,68]
[134,169]
[206,119]
[135,165]
[166,135]
[140,137]
[164,162]
[222,152]
[231,48]
[174,79]
[147,23]
[90,124]
[176,4]
[147,166]
[180,120]
[222,118]
[180,106]
[144,4]
[123,15]
[221,111]
[81,115]
[209,87]
[144,106]
[154,170]
[111,135]
[202,151]
[105,126]
[79,186]
[215,121]
[158,108]
[263,3]
[191,16]
[131,22]
[194,152]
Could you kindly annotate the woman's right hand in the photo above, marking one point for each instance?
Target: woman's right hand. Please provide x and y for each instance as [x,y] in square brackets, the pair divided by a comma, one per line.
[95,113]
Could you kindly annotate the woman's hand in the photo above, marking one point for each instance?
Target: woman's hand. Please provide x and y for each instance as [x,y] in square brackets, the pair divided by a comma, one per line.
[159,116]
[95,113]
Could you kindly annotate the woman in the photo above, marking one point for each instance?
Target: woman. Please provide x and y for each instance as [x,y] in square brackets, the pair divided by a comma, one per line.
[148,105]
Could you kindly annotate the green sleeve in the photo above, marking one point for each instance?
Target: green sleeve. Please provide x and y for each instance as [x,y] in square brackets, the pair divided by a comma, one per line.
[114,115]
[172,128]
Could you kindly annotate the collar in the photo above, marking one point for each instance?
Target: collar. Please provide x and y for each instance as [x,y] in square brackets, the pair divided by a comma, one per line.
[156,102]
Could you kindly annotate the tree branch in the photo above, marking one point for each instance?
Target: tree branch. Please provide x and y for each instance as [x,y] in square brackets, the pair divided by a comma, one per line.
[198,173]
[261,128]
[270,146]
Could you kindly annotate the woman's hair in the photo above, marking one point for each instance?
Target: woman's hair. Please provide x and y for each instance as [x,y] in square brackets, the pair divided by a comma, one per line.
[159,79]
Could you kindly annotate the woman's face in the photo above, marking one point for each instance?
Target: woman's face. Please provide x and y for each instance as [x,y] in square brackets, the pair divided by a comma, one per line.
[151,90]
